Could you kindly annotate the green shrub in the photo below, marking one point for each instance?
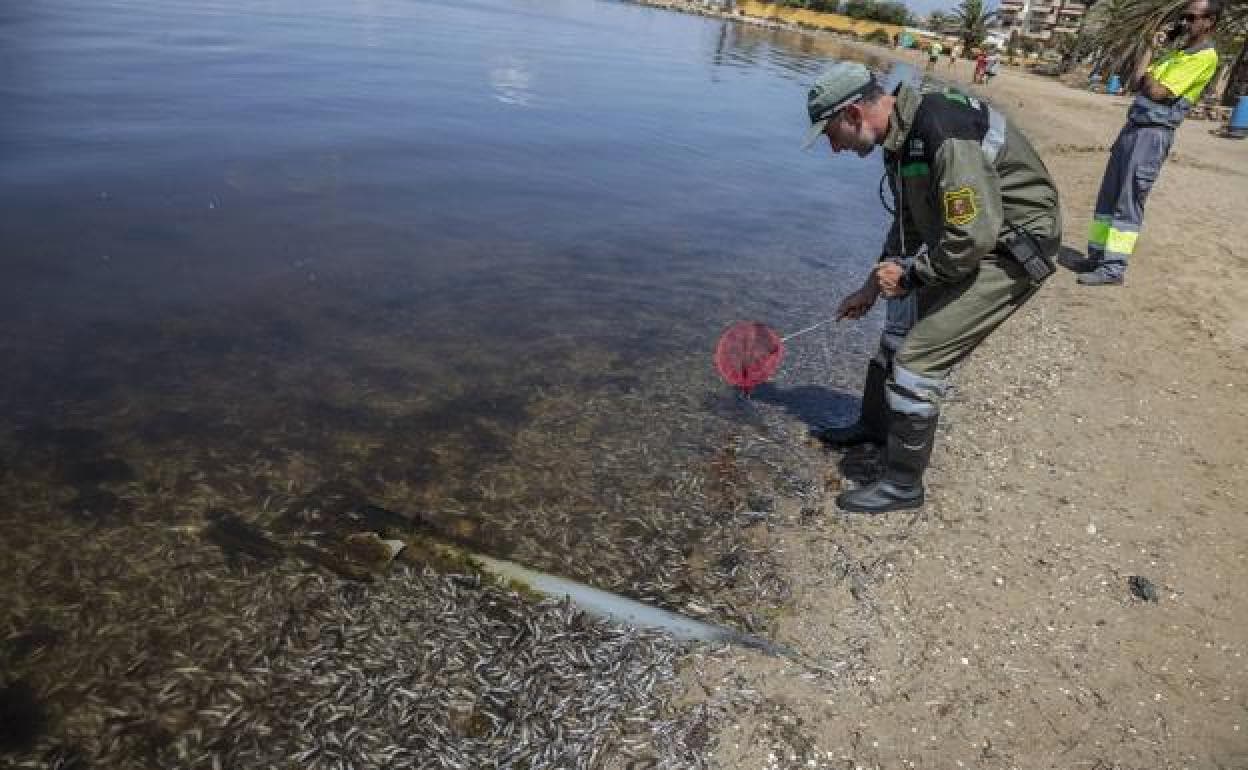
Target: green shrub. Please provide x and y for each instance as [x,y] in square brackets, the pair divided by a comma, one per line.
[879,36]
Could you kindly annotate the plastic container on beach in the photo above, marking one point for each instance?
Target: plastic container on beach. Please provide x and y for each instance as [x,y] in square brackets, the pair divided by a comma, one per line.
[1114,85]
[1239,118]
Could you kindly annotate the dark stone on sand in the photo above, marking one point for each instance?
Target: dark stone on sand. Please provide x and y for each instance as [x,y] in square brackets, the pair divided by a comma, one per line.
[22,717]
[1142,588]
[103,470]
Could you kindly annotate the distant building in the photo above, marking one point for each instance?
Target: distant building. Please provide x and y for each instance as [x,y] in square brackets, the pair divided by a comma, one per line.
[1040,20]
[997,38]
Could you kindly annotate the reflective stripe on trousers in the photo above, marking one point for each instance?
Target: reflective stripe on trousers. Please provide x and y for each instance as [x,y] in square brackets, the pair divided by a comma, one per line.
[913,394]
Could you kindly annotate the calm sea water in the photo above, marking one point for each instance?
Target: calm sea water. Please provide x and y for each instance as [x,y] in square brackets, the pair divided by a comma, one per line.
[463,257]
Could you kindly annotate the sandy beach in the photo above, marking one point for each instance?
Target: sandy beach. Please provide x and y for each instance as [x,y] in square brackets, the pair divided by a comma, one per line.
[1099,435]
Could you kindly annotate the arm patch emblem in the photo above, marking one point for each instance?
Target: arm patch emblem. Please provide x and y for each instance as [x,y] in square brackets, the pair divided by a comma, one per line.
[960,206]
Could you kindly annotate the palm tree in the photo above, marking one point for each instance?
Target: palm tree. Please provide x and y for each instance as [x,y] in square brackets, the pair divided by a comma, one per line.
[1128,36]
[971,20]
[1237,85]
[1232,31]
[936,21]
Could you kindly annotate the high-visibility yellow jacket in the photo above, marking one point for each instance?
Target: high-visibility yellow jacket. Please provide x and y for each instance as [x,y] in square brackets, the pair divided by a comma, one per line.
[1185,73]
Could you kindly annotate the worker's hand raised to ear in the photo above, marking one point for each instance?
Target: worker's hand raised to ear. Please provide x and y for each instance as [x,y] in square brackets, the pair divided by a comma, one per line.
[857,304]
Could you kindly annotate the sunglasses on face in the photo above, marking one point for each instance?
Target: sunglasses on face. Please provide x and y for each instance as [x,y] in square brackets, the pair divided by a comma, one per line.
[1191,17]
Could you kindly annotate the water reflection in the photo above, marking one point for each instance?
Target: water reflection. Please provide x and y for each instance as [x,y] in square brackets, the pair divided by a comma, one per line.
[788,52]
[271,270]
[511,81]
[336,258]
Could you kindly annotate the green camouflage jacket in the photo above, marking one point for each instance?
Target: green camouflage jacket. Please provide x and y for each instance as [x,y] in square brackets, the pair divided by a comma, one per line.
[959,172]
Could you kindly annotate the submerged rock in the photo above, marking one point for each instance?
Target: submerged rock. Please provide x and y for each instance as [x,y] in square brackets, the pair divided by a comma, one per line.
[333,562]
[371,550]
[237,537]
[99,505]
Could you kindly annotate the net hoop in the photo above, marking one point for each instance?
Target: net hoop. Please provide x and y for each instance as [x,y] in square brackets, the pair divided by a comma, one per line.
[748,354]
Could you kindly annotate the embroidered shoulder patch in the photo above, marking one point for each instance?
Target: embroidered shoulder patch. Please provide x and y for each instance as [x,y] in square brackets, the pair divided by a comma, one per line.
[960,206]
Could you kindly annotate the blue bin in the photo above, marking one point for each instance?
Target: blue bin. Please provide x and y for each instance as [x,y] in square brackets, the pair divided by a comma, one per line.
[1239,118]
[1114,85]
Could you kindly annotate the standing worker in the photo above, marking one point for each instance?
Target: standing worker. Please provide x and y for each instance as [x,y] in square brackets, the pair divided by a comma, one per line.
[967,185]
[1166,92]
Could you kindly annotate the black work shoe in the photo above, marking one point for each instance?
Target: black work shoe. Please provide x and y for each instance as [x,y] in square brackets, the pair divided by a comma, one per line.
[881,497]
[1100,277]
[1074,262]
[849,436]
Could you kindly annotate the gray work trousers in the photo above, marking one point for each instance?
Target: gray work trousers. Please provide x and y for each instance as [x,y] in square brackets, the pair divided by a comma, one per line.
[1134,163]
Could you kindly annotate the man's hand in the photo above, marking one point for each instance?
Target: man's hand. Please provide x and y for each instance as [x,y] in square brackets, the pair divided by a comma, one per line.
[1156,91]
[857,304]
[888,279]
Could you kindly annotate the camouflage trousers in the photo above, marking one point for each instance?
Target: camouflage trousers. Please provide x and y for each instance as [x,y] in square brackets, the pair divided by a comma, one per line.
[932,329]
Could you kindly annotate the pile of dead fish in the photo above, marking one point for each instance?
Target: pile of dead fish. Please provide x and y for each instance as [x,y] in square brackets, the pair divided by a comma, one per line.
[285,668]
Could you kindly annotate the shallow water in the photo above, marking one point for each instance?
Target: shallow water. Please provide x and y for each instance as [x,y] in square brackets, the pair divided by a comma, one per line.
[287,264]
[467,258]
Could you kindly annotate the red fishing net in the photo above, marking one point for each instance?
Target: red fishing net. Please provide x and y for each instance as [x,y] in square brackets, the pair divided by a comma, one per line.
[748,354]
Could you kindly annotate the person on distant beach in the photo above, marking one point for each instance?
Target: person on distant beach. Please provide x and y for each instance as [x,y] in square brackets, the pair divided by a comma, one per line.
[967,185]
[1166,92]
[992,66]
[981,66]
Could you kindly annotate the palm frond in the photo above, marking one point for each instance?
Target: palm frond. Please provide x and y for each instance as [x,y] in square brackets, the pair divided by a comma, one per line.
[1129,27]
